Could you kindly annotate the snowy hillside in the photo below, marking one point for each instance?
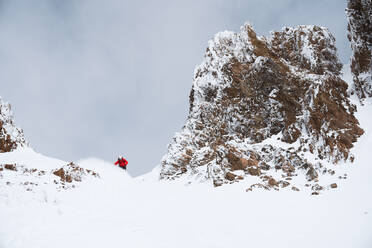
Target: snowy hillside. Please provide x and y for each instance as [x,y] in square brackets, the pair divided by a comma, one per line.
[116,210]
[39,177]
[46,202]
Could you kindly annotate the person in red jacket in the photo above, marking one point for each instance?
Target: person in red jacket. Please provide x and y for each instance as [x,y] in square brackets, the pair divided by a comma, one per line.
[122,162]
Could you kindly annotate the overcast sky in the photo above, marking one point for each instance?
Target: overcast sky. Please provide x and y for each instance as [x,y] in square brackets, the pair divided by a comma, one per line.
[94,78]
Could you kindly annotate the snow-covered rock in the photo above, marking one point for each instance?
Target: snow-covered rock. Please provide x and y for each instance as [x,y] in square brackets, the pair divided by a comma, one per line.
[32,175]
[266,110]
[359,13]
[11,136]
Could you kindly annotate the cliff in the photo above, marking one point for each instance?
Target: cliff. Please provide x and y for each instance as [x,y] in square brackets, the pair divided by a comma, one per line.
[267,110]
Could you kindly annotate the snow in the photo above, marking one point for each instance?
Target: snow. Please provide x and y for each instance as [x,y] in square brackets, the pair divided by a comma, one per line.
[307,52]
[117,210]
[27,156]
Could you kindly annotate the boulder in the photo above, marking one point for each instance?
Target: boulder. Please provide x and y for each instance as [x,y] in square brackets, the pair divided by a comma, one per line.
[230,176]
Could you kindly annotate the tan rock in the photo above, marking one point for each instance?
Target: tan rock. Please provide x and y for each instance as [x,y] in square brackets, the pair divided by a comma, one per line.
[264,166]
[230,176]
[284,184]
[10,167]
[236,162]
[217,183]
[254,171]
[295,188]
[287,167]
[272,182]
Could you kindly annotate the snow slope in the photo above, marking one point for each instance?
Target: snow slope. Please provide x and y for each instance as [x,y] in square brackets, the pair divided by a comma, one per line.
[30,158]
[116,210]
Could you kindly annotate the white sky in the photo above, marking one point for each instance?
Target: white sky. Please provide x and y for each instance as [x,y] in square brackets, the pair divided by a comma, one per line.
[107,78]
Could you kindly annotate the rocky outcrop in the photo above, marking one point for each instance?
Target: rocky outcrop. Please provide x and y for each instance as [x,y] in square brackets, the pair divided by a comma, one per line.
[72,172]
[260,106]
[31,179]
[11,136]
[359,13]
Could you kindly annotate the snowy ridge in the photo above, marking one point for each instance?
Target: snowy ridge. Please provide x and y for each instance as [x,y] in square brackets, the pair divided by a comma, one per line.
[11,136]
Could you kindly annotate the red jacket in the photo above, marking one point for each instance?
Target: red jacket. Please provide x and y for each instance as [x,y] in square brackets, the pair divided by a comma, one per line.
[122,162]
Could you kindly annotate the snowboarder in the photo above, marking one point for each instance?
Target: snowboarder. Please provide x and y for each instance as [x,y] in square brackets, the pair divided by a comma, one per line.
[122,162]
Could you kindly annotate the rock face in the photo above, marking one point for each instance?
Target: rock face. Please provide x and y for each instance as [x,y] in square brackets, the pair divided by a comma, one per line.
[359,13]
[11,136]
[261,105]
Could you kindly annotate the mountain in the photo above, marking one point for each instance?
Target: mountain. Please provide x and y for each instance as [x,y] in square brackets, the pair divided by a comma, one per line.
[269,116]
[11,137]
[266,110]
[359,15]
